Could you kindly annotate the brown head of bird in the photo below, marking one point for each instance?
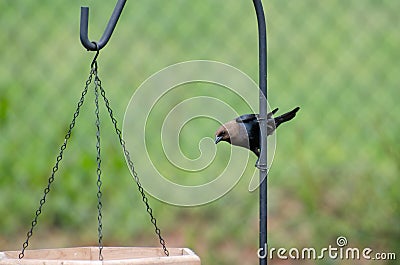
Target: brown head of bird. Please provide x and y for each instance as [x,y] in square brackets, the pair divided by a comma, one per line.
[233,133]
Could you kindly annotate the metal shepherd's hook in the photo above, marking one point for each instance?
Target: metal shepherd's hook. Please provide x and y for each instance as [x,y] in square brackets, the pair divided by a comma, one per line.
[262,45]
[96,46]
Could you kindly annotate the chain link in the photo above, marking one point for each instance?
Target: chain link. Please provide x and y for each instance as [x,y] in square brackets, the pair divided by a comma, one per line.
[55,168]
[132,168]
[98,159]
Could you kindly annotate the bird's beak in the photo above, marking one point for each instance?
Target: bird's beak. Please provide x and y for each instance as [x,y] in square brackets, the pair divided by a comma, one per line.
[218,139]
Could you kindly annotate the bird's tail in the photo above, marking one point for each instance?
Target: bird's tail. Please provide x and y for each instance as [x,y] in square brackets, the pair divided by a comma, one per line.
[285,117]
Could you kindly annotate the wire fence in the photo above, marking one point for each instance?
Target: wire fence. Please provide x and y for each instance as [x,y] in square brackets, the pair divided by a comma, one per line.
[336,164]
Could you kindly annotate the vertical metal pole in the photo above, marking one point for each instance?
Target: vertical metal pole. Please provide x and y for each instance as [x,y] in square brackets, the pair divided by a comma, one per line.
[262,164]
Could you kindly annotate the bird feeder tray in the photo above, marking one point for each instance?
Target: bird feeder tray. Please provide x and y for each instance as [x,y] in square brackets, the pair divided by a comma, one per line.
[111,256]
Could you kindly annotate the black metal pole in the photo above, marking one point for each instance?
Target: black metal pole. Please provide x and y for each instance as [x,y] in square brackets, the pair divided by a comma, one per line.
[262,164]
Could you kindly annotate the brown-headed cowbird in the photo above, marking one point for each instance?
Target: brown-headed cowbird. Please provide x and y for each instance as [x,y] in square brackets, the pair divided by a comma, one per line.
[244,131]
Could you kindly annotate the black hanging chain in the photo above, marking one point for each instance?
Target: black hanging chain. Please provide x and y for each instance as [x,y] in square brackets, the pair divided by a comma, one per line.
[98,160]
[149,210]
[55,168]
[132,168]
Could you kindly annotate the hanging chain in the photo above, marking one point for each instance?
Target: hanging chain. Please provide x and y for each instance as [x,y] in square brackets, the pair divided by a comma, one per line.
[55,168]
[149,210]
[132,168]
[98,159]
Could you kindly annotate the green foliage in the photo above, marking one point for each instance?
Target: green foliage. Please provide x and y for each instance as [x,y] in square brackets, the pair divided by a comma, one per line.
[336,168]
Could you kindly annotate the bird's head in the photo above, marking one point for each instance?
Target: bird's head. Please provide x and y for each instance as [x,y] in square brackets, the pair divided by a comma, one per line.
[222,135]
[224,132]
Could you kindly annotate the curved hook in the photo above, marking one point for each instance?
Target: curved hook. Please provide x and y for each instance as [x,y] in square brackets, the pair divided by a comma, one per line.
[89,45]
[93,65]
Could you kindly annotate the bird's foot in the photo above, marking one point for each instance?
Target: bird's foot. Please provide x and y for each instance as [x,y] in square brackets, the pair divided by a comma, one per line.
[262,167]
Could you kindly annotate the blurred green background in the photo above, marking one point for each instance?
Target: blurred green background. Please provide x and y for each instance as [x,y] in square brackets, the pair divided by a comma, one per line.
[336,169]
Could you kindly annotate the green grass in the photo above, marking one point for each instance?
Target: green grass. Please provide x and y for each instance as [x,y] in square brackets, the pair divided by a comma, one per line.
[336,165]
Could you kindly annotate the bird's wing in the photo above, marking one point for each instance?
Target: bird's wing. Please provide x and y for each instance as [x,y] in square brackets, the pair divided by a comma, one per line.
[269,115]
[252,117]
[247,118]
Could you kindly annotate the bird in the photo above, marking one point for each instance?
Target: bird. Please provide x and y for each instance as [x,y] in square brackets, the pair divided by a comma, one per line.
[244,131]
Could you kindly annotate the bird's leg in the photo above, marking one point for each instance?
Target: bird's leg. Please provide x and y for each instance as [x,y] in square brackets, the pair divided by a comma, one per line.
[257,165]
[256,151]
